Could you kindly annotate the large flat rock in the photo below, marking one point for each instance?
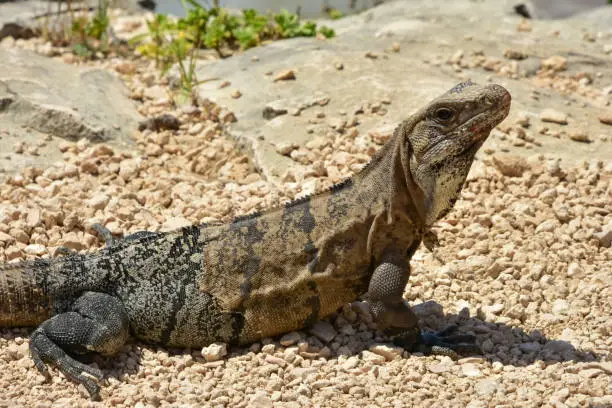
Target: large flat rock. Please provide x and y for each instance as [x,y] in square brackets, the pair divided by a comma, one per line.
[428,34]
[16,16]
[40,96]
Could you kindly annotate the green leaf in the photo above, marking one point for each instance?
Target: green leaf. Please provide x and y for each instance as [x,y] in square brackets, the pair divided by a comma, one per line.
[254,20]
[335,14]
[82,50]
[78,25]
[327,32]
[138,38]
[308,29]
[247,37]
[98,25]
[288,24]
[192,3]
[196,19]
[215,34]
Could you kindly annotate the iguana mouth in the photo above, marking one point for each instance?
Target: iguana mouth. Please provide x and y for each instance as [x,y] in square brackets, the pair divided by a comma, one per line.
[482,124]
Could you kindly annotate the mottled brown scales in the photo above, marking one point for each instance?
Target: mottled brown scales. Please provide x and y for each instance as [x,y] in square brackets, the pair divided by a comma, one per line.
[269,273]
[287,268]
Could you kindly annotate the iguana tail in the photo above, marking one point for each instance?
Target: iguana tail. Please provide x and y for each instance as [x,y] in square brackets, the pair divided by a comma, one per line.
[23,301]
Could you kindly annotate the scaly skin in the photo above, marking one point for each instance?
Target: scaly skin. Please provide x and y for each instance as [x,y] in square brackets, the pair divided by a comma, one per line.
[269,273]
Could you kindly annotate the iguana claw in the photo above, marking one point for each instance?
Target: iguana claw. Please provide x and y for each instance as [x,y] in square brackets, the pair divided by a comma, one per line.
[430,240]
[442,342]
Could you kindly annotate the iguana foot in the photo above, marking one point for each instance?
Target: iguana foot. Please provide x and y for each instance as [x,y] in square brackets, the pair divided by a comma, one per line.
[105,233]
[97,322]
[64,251]
[430,240]
[110,240]
[443,342]
[100,229]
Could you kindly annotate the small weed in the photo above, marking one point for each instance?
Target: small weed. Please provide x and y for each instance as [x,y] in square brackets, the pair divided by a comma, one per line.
[90,35]
[333,13]
[327,32]
[86,34]
[158,46]
[176,41]
[98,26]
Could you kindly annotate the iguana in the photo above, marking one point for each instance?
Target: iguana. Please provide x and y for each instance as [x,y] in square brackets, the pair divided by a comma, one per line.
[268,273]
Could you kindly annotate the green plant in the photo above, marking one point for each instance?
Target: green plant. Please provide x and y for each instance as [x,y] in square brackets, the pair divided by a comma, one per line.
[157,47]
[253,28]
[327,32]
[84,30]
[334,14]
[181,49]
[87,34]
[177,41]
[98,26]
[220,29]
[289,26]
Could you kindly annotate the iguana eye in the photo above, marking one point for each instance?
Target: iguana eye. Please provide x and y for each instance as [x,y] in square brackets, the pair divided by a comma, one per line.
[444,114]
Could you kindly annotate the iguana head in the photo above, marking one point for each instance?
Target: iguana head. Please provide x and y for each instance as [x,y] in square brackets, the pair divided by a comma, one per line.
[440,141]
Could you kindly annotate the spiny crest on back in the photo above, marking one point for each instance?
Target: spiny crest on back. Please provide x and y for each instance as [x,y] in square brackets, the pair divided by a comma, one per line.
[245,217]
[459,87]
[341,185]
[297,201]
[347,182]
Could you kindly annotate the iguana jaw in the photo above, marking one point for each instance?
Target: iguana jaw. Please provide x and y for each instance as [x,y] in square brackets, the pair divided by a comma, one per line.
[438,152]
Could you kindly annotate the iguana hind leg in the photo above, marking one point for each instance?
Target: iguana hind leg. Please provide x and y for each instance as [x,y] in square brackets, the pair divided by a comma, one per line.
[105,233]
[109,239]
[100,229]
[393,315]
[97,322]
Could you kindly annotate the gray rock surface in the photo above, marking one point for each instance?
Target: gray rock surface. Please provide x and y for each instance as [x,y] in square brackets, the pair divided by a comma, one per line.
[42,97]
[427,36]
[19,17]
[549,9]
[15,14]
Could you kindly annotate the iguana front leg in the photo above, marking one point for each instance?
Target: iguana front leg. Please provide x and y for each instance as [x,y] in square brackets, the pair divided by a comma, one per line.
[110,240]
[393,315]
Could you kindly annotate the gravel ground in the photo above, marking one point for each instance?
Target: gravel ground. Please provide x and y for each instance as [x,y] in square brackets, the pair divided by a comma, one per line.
[524,264]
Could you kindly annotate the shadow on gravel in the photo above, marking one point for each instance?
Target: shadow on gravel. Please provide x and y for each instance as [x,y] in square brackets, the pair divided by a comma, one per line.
[510,345]
[497,341]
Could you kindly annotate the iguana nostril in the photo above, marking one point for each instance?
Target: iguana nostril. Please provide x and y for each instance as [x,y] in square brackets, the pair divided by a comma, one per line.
[499,93]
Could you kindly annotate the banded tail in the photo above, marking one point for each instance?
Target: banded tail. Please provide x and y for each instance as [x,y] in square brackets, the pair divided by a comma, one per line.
[23,301]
